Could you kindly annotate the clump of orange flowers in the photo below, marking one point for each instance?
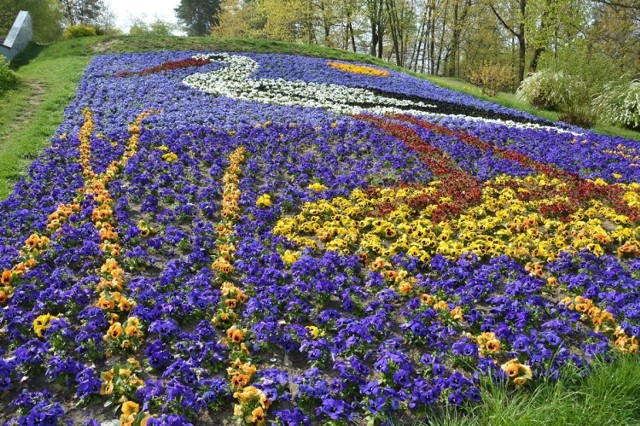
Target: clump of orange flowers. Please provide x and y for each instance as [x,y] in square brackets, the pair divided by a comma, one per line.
[230,212]
[602,321]
[626,344]
[517,373]
[252,407]
[488,343]
[126,336]
[131,415]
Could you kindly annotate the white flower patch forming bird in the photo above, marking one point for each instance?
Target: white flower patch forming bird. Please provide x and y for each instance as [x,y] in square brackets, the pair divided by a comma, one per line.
[235,81]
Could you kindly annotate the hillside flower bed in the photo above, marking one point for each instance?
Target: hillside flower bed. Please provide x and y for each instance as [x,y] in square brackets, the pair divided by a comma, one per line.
[270,239]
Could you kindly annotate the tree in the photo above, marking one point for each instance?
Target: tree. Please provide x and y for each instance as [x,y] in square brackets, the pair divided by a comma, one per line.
[158,27]
[615,35]
[284,19]
[138,27]
[82,12]
[235,18]
[377,21]
[161,28]
[401,19]
[513,20]
[46,16]
[350,10]
[198,16]
[461,9]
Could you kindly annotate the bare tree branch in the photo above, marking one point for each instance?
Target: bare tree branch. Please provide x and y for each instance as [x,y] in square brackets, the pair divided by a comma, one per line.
[502,21]
[618,4]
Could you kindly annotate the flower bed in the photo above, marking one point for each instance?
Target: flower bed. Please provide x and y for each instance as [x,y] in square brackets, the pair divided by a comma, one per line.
[299,241]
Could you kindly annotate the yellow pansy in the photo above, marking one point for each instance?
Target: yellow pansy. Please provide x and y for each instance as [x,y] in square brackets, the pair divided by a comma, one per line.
[264,201]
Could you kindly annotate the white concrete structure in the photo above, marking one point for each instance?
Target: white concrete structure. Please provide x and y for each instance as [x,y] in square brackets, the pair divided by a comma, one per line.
[19,36]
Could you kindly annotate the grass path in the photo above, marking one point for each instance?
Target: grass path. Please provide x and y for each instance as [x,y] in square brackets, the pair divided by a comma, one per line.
[31,113]
[608,396]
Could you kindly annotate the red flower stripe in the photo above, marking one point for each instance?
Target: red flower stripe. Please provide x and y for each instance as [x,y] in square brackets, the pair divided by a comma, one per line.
[581,190]
[463,189]
[167,66]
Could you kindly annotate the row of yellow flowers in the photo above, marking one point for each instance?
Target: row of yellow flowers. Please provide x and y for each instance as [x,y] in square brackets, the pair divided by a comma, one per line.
[502,223]
[359,69]
[397,277]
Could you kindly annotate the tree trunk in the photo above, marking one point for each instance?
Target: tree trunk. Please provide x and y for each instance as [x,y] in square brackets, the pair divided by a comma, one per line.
[455,43]
[533,65]
[441,42]
[522,57]
[432,38]
[394,26]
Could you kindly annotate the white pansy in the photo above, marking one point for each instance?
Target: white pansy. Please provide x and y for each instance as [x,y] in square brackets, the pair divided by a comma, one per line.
[437,117]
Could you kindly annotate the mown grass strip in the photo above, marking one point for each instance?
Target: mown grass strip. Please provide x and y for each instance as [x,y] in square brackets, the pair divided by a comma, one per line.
[30,114]
[608,395]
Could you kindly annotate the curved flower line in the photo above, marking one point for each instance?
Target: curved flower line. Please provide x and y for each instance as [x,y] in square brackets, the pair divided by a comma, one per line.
[460,189]
[583,190]
[252,403]
[122,334]
[359,69]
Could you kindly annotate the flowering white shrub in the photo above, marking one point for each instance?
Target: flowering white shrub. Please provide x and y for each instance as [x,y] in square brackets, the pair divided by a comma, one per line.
[620,104]
[546,89]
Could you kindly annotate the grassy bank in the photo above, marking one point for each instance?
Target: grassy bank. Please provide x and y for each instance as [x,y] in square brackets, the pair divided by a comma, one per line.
[608,395]
[30,113]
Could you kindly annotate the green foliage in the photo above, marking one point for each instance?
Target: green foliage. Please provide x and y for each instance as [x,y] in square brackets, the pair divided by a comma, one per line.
[45,14]
[8,79]
[76,31]
[547,18]
[158,28]
[619,103]
[608,395]
[569,80]
[198,16]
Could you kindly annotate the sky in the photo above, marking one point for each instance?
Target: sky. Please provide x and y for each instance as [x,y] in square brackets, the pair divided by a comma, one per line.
[148,10]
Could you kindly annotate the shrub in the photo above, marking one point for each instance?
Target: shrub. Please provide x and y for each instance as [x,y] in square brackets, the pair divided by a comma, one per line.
[492,78]
[581,116]
[546,89]
[553,90]
[575,102]
[8,79]
[75,31]
[619,103]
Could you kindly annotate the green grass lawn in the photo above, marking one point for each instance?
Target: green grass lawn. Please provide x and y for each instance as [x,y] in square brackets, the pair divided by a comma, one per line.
[610,395]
